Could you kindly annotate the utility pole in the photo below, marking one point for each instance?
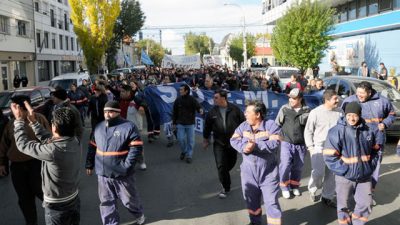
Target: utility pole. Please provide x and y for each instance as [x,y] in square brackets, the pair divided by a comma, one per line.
[243,33]
[161,37]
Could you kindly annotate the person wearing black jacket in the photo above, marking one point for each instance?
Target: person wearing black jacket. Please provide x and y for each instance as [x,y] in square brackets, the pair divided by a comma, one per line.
[183,117]
[222,120]
[96,105]
[292,118]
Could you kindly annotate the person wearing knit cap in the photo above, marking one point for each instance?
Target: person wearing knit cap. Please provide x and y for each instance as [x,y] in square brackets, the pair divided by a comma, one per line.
[351,153]
[113,151]
[377,111]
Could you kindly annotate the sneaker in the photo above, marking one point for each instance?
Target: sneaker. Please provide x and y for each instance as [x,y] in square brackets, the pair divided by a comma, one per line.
[328,202]
[150,139]
[314,197]
[223,194]
[189,160]
[142,166]
[139,221]
[170,144]
[373,202]
[296,192]
[182,156]
[286,194]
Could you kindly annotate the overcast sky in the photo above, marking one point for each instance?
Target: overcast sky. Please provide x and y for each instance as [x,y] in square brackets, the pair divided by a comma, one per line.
[172,13]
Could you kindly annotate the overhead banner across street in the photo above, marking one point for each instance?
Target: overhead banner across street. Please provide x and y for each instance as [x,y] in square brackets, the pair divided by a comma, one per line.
[181,61]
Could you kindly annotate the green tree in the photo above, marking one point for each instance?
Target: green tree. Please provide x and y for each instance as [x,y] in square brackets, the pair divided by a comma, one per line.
[129,22]
[301,36]
[198,44]
[93,24]
[236,47]
[156,51]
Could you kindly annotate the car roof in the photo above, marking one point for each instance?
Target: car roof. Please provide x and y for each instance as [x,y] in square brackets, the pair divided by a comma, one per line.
[283,68]
[71,76]
[28,89]
[352,77]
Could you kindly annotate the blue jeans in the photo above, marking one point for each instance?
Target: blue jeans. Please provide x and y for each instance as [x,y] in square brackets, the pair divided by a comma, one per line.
[65,213]
[186,139]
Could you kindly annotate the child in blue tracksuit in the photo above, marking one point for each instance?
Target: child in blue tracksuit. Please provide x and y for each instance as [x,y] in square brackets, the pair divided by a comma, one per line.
[257,140]
[351,152]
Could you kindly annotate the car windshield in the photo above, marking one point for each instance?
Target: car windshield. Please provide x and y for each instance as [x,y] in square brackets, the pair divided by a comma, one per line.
[385,90]
[286,73]
[65,84]
[4,98]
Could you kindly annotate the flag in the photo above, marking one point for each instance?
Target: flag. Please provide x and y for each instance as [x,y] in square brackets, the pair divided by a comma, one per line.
[145,59]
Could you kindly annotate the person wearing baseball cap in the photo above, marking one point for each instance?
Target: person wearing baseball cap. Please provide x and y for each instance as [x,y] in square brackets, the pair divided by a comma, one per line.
[292,119]
[351,153]
[115,162]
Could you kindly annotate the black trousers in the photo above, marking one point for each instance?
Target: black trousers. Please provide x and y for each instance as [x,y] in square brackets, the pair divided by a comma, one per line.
[27,182]
[225,158]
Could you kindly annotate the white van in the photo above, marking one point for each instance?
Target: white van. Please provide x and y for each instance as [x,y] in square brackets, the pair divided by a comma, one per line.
[64,81]
[284,74]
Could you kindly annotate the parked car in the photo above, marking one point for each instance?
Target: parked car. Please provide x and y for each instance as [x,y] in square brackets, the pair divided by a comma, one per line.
[64,81]
[283,74]
[38,95]
[120,72]
[347,85]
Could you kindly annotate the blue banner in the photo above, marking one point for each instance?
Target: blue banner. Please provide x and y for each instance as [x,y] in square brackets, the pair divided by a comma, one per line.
[145,59]
[162,98]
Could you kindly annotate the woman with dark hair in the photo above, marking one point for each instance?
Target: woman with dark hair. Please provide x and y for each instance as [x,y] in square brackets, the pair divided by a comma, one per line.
[275,86]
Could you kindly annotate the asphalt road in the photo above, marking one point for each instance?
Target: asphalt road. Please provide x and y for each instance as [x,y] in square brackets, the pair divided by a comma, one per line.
[174,193]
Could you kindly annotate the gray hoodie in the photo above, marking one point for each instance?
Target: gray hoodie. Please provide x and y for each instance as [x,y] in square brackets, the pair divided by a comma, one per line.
[318,124]
[61,158]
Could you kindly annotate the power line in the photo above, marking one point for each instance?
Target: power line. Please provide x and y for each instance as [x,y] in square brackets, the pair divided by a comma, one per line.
[182,27]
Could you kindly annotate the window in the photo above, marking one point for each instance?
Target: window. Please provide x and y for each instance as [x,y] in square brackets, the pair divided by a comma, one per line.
[37,6]
[43,69]
[36,98]
[38,40]
[45,93]
[385,5]
[52,19]
[61,41]
[362,9]
[344,89]
[53,41]
[60,1]
[60,24]
[396,4]
[66,21]
[21,28]
[352,10]
[332,84]
[343,13]
[372,7]
[45,8]
[77,45]
[66,43]
[72,44]
[4,27]
[46,39]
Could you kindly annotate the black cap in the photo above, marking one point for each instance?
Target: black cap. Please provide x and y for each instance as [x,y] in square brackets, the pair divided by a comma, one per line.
[20,99]
[112,106]
[60,93]
[353,107]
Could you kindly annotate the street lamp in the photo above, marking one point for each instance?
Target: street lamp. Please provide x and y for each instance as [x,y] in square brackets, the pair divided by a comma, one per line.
[244,33]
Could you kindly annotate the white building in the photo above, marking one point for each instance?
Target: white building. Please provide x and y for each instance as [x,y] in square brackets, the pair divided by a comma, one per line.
[367,30]
[57,48]
[17,44]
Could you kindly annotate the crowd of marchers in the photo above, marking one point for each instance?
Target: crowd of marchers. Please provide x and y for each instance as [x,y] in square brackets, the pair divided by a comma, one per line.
[41,149]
